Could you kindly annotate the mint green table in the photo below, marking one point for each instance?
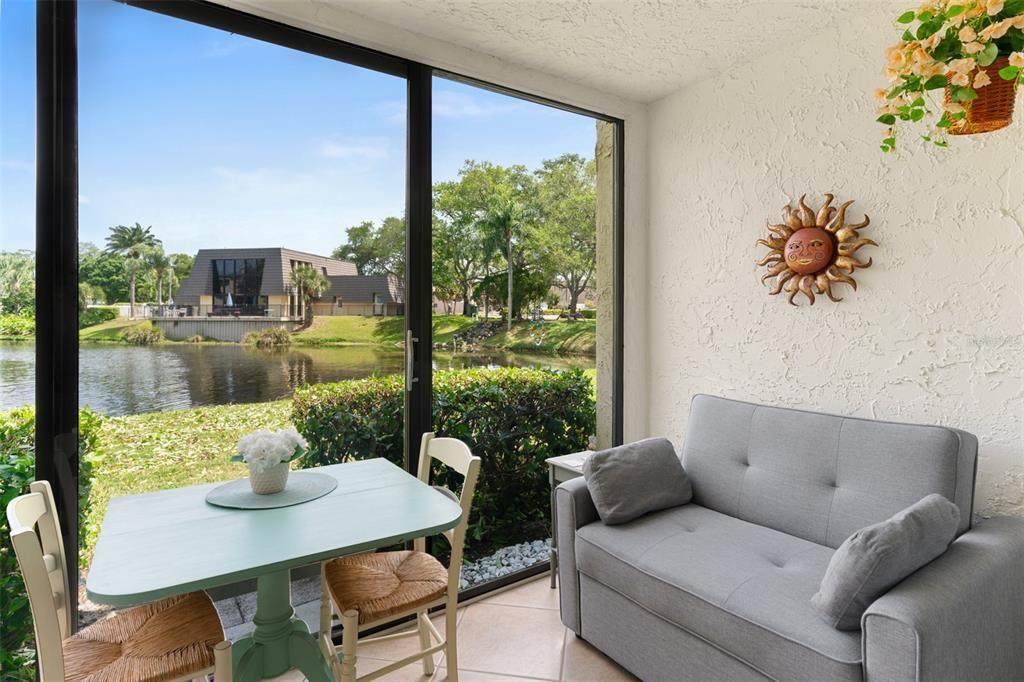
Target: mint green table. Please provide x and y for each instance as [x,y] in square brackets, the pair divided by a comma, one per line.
[166,543]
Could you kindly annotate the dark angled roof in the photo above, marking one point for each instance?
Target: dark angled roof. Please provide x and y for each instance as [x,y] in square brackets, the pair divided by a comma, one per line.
[276,266]
[361,288]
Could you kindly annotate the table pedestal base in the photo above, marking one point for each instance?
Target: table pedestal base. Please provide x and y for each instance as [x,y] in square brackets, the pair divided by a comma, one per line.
[281,641]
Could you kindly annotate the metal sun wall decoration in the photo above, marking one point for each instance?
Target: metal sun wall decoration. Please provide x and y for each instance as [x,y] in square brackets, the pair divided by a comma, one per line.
[812,251]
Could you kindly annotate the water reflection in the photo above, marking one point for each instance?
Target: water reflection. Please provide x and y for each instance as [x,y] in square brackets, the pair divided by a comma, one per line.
[119,380]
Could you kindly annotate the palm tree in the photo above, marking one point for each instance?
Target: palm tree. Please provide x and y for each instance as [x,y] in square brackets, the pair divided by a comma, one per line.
[309,283]
[501,225]
[161,265]
[171,277]
[132,242]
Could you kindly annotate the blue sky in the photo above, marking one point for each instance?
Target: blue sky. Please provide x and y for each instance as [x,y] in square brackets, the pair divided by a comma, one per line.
[218,140]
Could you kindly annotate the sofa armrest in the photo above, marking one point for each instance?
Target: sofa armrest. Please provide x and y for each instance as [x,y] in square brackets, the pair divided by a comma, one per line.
[574,509]
[961,617]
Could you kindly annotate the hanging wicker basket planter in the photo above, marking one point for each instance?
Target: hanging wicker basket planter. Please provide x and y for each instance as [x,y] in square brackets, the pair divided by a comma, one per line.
[993,109]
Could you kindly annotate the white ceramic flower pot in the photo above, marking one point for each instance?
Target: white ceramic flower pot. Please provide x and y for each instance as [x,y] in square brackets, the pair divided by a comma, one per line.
[270,481]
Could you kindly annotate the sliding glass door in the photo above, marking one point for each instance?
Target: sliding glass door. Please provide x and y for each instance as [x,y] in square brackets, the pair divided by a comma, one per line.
[521,305]
[17,316]
[260,227]
[242,224]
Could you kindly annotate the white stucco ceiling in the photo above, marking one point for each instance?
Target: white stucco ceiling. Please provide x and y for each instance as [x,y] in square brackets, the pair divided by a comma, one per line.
[640,50]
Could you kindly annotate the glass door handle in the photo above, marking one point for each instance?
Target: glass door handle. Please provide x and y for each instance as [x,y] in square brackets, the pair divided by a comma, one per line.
[410,355]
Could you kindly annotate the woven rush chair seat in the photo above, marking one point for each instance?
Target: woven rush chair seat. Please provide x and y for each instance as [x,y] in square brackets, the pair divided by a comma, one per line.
[386,583]
[367,590]
[172,639]
[165,640]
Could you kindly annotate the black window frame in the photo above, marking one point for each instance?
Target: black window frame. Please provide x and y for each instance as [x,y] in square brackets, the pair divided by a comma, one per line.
[57,231]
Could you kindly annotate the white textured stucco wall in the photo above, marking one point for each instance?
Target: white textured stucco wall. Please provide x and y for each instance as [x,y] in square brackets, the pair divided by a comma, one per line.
[934,334]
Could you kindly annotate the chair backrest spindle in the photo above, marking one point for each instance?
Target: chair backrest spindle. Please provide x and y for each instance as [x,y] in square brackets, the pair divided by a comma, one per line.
[456,455]
[35,535]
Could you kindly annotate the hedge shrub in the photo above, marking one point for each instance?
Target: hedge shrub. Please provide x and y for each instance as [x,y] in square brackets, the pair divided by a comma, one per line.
[142,335]
[275,337]
[87,317]
[512,418]
[16,325]
[17,470]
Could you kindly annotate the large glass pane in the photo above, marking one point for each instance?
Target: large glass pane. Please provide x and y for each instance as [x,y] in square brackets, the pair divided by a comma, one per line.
[521,303]
[226,185]
[17,315]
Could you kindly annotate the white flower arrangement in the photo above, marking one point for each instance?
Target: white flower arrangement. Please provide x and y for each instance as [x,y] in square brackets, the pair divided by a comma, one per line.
[262,450]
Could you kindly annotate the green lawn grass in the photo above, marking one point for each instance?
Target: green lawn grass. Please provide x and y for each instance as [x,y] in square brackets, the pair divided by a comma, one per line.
[160,450]
[549,336]
[104,331]
[552,336]
[109,331]
[366,330]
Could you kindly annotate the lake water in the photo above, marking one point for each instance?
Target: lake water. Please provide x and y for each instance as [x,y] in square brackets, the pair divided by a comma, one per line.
[118,380]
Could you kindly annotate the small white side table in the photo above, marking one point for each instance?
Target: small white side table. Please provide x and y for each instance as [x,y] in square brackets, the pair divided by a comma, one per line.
[561,469]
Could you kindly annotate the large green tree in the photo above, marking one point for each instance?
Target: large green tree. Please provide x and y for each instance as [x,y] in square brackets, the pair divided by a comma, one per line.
[456,238]
[530,287]
[494,219]
[459,209]
[17,283]
[103,270]
[182,263]
[376,249]
[445,280]
[358,246]
[567,214]
[133,242]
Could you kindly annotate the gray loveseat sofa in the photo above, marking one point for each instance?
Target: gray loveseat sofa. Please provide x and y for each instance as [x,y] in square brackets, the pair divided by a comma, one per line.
[720,589]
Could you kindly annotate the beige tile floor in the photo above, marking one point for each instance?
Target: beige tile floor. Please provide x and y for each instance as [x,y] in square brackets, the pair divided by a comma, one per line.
[513,635]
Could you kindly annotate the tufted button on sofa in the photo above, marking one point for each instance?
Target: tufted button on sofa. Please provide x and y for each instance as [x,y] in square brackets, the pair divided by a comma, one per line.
[720,589]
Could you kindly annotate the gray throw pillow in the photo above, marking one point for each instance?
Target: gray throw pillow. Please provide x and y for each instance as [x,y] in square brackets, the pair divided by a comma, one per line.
[633,479]
[874,559]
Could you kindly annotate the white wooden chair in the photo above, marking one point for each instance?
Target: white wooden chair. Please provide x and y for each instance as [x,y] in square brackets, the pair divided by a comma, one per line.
[369,590]
[173,639]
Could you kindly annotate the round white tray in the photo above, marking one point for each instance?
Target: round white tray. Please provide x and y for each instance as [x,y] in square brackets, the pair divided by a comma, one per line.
[302,486]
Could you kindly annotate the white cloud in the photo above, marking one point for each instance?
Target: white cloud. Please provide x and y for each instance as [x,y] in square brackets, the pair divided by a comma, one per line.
[234,179]
[355,148]
[393,110]
[450,104]
[460,105]
[82,199]
[17,164]
[216,49]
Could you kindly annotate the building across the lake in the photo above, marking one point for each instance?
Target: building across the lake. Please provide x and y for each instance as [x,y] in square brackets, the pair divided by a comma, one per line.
[251,282]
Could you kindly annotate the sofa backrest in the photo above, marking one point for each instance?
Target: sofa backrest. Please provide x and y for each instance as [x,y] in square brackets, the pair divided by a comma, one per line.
[818,476]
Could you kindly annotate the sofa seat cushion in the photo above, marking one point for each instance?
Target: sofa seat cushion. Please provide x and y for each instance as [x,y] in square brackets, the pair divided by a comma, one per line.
[745,588]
